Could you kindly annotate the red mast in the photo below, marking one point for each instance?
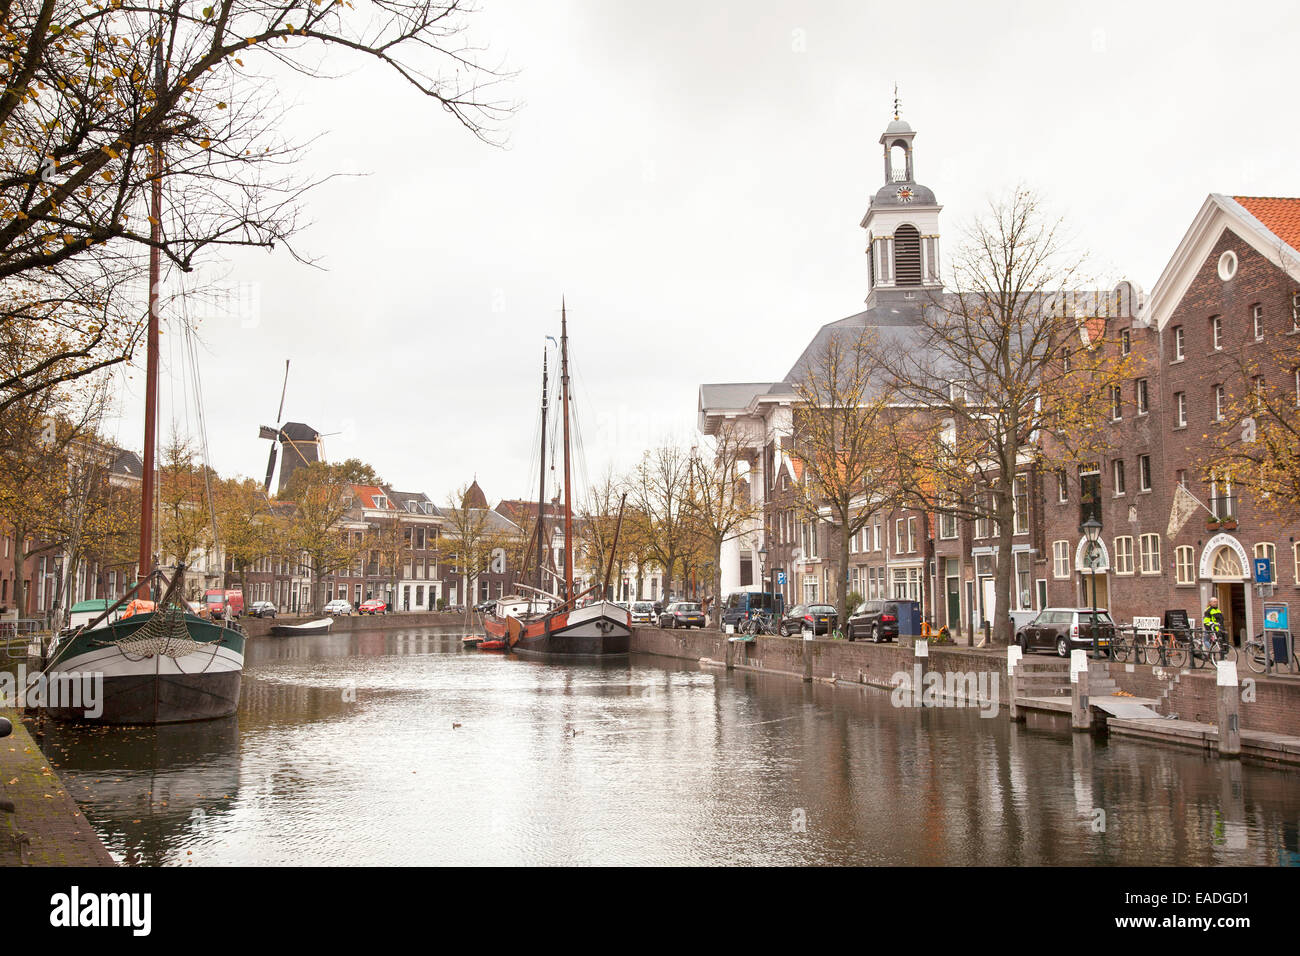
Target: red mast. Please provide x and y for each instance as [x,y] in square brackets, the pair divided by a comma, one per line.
[568,498]
[151,361]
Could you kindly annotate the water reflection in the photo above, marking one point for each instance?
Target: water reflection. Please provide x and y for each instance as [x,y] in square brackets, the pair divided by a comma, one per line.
[403,747]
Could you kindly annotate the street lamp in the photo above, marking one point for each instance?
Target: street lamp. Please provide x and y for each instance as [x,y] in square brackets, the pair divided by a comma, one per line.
[762,570]
[1092,531]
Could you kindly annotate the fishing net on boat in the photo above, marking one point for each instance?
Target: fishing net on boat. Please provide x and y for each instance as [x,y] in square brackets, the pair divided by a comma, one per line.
[165,634]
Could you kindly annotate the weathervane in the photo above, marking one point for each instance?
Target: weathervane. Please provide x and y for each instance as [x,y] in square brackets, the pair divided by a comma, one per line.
[896,101]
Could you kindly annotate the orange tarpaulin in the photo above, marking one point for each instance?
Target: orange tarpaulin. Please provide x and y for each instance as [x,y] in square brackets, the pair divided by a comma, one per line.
[137,607]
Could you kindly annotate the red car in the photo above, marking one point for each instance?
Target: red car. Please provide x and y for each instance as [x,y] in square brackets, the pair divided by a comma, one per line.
[374,606]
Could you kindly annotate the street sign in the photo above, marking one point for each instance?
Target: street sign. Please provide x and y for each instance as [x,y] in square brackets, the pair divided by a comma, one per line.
[1263,571]
[780,579]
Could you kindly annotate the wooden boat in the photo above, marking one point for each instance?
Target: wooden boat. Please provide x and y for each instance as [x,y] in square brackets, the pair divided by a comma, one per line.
[492,645]
[321,626]
[545,624]
[158,662]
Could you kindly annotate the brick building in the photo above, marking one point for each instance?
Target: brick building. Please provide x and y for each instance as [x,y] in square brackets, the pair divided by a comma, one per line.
[1229,291]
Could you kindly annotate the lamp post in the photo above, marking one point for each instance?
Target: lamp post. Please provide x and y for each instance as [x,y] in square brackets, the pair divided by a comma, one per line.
[1092,530]
[762,573]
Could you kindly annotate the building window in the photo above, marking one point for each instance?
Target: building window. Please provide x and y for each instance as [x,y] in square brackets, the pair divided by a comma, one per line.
[1144,472]
[1062,487]
[1024,595]
[947,525]
[1183,556]
[1116,403]
[1227,265]
[1124,554]
[911,535]
[1061,560]
[1150,553]
[898,536]
[1180,344]
[1216,331]
[1141,394]
[1295,311]
[746,568]
[1020,506]
[1125,342]
[878,537]
[1118,472]
[1257,321]
[1266,549]
[1220,402]
[1180,409]
[1296,374]
[1221,503]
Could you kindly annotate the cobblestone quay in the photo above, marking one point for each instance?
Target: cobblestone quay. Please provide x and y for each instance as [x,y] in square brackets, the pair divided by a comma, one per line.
[46,827]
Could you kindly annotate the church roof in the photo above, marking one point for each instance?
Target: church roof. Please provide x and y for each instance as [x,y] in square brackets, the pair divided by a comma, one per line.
[896,327]
[918,195]
[474,497]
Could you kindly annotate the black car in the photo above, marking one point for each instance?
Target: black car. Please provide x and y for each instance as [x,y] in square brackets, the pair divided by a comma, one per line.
[262,609]
[1062,629]
[682,614]
[877,620]
[819,618]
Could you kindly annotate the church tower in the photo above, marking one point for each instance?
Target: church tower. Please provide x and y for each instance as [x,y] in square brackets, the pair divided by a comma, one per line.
[902,225]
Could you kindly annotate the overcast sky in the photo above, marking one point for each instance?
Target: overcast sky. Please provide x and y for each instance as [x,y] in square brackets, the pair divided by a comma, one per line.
[691,176]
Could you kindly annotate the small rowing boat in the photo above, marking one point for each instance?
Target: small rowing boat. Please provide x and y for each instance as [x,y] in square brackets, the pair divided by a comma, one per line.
[301,630]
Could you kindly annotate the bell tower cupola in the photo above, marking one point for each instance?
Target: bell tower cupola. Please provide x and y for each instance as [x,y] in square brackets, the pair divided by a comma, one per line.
[902,225]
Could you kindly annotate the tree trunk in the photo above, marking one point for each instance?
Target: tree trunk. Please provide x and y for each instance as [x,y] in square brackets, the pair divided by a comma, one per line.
[716,608]
[20,568]
[1006,565]
[842,599]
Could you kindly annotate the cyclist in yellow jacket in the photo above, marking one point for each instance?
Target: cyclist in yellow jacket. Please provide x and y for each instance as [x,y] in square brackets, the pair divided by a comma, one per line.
[1212,622]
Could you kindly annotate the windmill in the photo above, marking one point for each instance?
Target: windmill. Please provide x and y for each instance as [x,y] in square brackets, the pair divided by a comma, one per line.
[301,443]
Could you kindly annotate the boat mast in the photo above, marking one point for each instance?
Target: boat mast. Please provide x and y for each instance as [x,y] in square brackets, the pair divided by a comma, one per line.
[151,361]
[541,484]
[568,494]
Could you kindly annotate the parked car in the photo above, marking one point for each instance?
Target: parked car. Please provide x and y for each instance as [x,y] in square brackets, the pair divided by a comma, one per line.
[877,620]
[1063,629]
[741,604]
[485,606]
[819,618]
[373,606]
[339,606]
[262,609]
[643,612]
[682,614]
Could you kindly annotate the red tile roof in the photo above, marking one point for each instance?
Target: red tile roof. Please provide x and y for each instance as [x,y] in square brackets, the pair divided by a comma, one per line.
[367,495]
[1280,215]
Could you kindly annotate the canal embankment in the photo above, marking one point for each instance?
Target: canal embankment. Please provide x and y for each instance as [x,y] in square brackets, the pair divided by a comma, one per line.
[45,826]
[1186,699]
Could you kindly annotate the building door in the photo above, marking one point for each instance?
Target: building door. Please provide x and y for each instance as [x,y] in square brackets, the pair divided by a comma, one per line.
[1085,590]
[1232,602]
[970,607]
[954,604]
[988,600]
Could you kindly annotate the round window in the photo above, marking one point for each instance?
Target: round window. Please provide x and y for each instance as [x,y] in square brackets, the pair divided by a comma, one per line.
[1227,265]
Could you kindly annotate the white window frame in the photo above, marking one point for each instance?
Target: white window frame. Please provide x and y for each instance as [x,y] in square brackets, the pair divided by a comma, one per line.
[1123,563]
[1020,515]
[1216,332]
[1220,399]
[1185,562]
[1144,472]
[1061,560]
[1116,404]
[1149,546]
[1141,397]
[1180,409]
[1119,487]
[1179,343]
[1257,320]
[911,535]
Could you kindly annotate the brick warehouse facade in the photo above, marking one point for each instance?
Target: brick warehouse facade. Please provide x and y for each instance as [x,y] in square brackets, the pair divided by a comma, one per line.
[1187,340]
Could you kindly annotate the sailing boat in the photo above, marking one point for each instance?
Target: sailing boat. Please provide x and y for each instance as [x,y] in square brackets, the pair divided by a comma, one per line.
[158,662]
[543,623]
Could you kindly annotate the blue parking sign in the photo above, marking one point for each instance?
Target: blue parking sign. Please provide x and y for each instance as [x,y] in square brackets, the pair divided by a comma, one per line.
[780,578]
[1263,571]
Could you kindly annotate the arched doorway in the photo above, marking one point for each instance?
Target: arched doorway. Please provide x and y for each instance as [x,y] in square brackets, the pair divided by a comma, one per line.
[1227,569]
[1092,570]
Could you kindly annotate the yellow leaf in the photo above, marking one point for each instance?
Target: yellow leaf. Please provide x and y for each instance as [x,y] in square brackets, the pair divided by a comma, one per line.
[205,143]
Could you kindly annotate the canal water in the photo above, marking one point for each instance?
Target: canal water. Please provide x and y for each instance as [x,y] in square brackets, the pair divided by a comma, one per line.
[401,747]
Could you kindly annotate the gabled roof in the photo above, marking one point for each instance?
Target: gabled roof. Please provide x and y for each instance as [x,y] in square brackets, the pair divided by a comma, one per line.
[1267,225]
[365,495]
[423,503]
[1280,216]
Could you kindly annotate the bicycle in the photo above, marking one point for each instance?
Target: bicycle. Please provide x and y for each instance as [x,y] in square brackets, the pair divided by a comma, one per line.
[1213,646]
[758,622]
[1158,648]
